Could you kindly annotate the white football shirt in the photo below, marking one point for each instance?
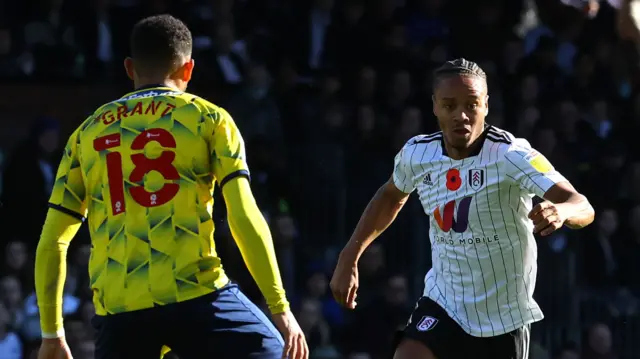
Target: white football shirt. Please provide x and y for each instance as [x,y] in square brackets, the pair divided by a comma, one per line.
[482,245]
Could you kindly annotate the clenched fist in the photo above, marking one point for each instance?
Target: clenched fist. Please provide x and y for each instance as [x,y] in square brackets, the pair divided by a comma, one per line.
[547,217]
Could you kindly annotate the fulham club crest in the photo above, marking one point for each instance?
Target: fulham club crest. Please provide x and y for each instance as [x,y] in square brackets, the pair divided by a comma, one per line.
[476,179]
[426,323]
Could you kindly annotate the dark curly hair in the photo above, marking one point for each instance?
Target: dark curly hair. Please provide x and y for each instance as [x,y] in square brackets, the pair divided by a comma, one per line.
[459,67]
[159,44]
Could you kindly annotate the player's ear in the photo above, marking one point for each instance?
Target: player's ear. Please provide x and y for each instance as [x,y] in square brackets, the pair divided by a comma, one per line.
[129,68]
[486,105]
[187,70]
[433,101]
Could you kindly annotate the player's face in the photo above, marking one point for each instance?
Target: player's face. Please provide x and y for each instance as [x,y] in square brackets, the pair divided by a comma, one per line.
[461,104]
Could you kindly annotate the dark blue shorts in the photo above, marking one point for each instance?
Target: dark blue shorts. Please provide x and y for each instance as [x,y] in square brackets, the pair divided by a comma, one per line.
[221,325]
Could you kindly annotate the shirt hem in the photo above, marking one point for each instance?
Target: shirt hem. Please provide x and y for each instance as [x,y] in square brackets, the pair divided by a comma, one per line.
[219,284]
[490,333]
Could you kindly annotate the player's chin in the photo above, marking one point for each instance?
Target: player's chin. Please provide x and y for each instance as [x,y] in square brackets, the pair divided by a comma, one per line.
[459,140]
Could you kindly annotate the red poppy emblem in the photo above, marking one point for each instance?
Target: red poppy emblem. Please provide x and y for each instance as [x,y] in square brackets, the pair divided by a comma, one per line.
[453,179]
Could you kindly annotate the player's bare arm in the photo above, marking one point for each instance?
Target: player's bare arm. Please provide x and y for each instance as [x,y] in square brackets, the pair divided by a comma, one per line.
[251,233]
[563,205]
[379,214]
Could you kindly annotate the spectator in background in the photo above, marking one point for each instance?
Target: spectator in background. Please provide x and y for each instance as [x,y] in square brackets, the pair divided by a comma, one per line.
[75,334]
[94,37]
[538,351]
[255,111]
[8,62]
[348,42]
[17,263]
[399,95]
[359,355]
[10,344]
[86,313]
[123,14]
[324,185]
[85,350]
[349,77]
[225,65]
[49,38]
[630,252]
[568,351]
[311,34]
[372,272]
[31,166]
[598,344]
[366,86]
[368,151]
[376,323]
[1,169]
[318,289]
[70,306]
[601,248]
[410,125]
[78,269]
[285,233]
[314,326]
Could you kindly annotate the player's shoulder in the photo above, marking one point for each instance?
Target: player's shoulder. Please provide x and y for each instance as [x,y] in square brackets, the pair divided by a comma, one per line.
[424,139]
[419,147]
[499,136]
[208,108]
[512,149]
[423,143]
[506,141]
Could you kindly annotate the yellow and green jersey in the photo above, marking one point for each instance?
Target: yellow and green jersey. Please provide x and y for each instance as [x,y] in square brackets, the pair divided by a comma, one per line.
[142,169]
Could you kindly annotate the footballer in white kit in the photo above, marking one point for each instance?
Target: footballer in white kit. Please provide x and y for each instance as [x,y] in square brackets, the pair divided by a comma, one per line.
[476,183]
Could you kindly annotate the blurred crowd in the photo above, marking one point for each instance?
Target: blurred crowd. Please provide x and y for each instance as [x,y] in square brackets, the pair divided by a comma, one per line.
[325,93]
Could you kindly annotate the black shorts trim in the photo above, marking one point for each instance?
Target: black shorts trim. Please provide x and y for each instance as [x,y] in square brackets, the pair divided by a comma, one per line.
[67,211]
[430,325]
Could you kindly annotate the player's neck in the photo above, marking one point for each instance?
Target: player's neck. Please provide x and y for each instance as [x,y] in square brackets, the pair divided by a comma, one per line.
[157,82]
[462,153]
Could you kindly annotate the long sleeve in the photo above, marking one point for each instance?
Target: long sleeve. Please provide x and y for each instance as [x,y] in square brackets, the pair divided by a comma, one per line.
[251,232]
[51,269]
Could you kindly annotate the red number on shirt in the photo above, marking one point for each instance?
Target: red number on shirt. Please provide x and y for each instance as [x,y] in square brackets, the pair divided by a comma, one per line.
[142,165]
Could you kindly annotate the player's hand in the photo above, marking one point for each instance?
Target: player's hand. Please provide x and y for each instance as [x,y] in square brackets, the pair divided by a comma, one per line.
[344,283]
[547,217]
[55,348]
[295,344]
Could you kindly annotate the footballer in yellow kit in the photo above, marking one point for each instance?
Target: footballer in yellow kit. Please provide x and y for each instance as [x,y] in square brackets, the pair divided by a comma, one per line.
[142,169]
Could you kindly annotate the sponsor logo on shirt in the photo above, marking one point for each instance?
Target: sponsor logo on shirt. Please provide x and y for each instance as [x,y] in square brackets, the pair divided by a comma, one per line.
[151,93]
[538,161]
[446,220]
[427,180]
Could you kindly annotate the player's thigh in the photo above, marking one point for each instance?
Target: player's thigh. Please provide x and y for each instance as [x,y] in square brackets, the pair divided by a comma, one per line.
[513,345]
[430,333]
[228,327]
[413,349]
[126,336]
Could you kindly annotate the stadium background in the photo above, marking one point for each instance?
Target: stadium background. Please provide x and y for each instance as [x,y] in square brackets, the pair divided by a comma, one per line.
[325,93]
